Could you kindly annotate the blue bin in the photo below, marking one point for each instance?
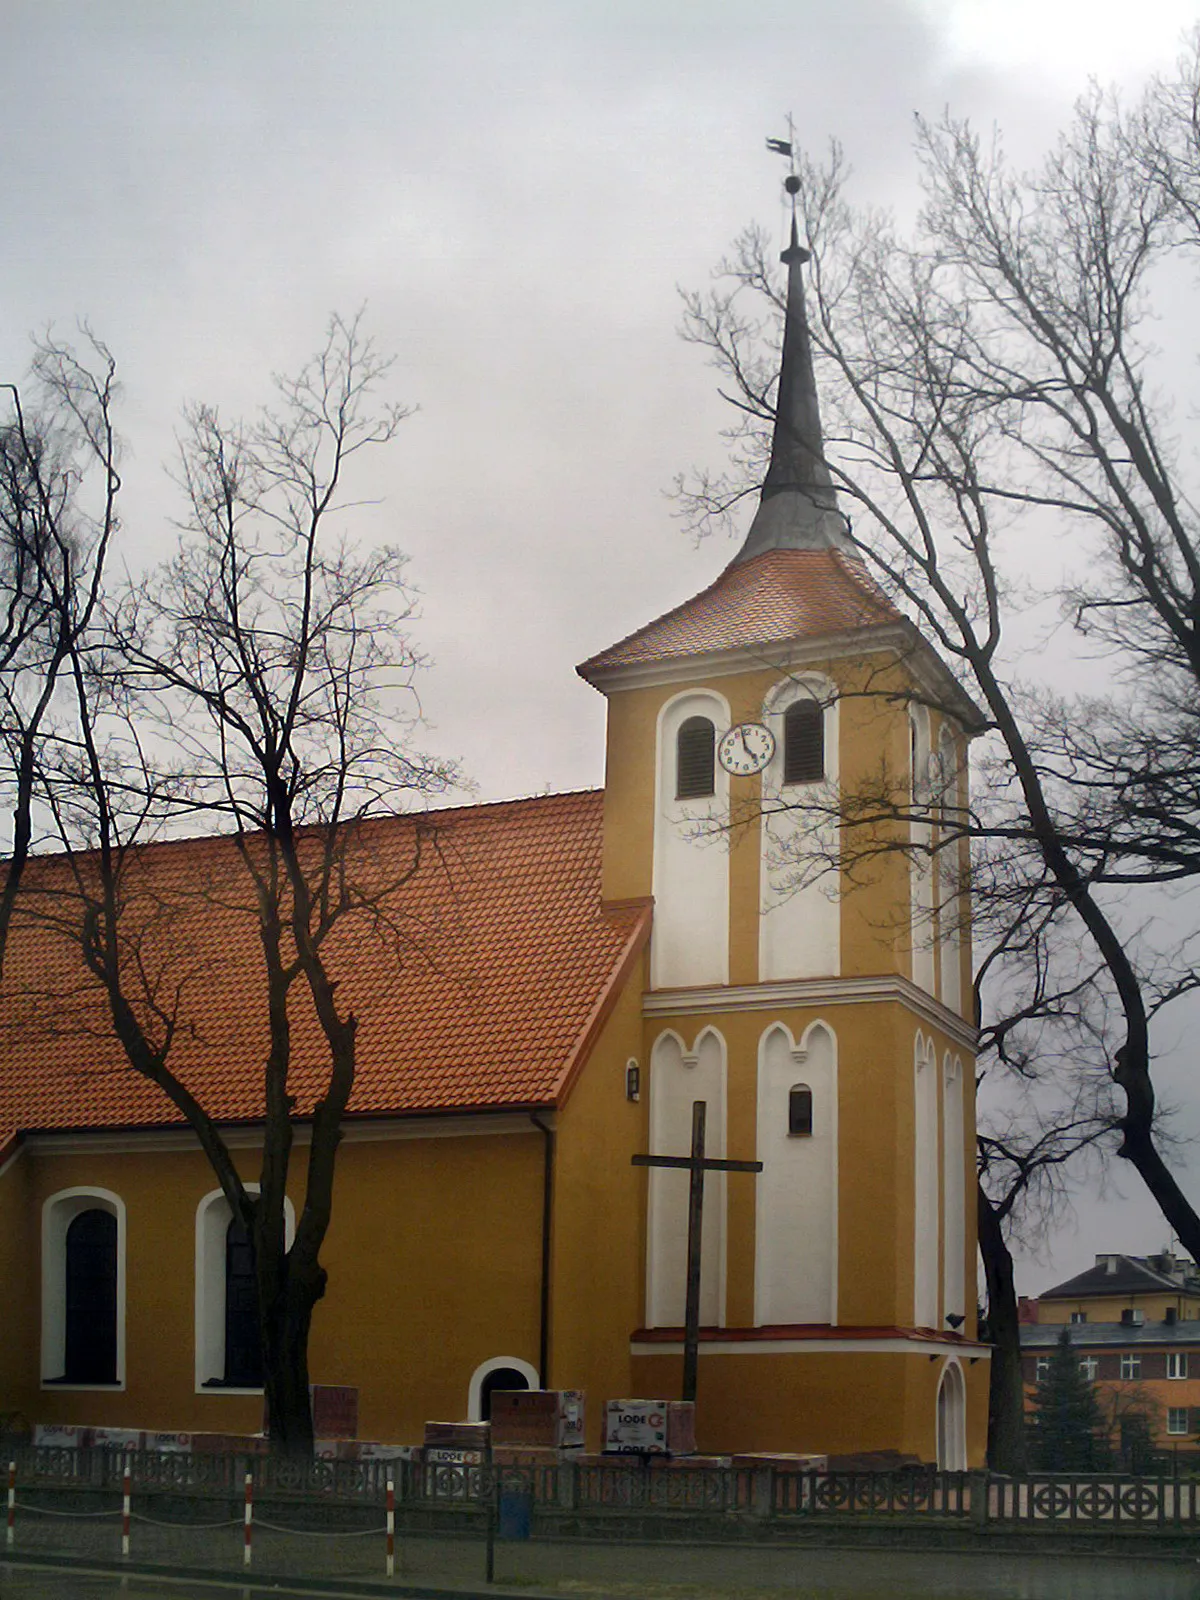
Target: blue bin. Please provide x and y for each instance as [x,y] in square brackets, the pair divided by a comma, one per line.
[516,1513]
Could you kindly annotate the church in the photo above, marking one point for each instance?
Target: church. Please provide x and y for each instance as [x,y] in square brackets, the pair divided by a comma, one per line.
[589,967]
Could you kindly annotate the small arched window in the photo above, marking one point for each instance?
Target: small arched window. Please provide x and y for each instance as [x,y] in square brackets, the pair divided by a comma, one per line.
[800,1111]
[91,1298]
[803,742]
[695,747]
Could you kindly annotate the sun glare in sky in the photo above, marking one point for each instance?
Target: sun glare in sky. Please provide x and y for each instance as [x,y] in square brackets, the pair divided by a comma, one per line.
[1065,39]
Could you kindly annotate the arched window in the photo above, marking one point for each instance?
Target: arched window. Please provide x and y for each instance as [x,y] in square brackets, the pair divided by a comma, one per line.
[800,1115]
[243,1342]
[694,750]
[500,1372]
[91,1298]
[803,742]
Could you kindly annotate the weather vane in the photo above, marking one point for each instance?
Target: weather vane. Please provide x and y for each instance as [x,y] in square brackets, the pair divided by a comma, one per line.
[787,147]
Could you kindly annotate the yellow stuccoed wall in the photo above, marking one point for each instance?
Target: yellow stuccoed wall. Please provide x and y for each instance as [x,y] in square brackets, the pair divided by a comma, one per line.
[845,1403]
[19,1291]
[598,1237]
[434,1260]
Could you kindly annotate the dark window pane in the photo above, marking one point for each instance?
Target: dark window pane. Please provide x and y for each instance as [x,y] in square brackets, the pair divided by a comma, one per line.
[498,1378]
[803,743]
[694,751]
[243,1346]
[800,1111]
[91,1342]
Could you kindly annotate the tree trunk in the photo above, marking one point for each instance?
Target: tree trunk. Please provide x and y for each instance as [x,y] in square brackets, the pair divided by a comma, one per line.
[286,1320]
[1006,1397]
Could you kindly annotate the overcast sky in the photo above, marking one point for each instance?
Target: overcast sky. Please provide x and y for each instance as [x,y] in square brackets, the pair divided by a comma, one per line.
[515,191]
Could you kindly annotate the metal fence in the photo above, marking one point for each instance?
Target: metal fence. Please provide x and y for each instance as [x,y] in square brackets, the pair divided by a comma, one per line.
[601,1492]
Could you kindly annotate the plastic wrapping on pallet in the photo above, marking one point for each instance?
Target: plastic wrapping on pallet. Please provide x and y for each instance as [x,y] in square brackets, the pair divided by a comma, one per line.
[538,1418]
[169,1443]
[458,1435]
[372,1450]
[527,1455]
[650,1427]
[57,1434]
[119,1438]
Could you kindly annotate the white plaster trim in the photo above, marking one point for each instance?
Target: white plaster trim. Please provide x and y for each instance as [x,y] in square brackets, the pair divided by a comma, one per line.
[16,1156]
[132,1140]
[213,1215]
[792,1347]
[58,1211]
[475,1387]
[808,992]
[955,1449]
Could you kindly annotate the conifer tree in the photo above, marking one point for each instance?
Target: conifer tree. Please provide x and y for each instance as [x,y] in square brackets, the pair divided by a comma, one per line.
[1067,1431]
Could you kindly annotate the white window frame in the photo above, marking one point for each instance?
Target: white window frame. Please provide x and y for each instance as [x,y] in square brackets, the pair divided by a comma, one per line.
[1089,1366]
[58,1212]
[1078,1317]
[1131,1368]
[1177,1420]
[1177,1364]
[1041,1368]
[213,1216]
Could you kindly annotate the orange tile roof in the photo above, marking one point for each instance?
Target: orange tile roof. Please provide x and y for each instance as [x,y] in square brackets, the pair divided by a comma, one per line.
[778,596]
[484,990]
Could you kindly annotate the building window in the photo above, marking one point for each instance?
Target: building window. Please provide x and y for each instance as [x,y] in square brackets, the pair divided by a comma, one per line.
[83,1289]
[1041,1368]
[1177,1419]
[800,1111]
[803,742]
[243,1340]
[1079,1316]
[695,746]
[1089,1366]
[91,1319]
[1131,1366]
[1177,1364]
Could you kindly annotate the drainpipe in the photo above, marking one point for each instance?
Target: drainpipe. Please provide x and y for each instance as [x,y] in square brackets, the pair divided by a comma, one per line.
[547,1133]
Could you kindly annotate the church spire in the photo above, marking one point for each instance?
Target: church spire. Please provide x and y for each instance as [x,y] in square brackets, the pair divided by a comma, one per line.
[798,509]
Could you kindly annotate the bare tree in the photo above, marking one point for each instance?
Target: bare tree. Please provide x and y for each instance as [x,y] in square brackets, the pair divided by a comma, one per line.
[261,683]
[58,492]
[991,379]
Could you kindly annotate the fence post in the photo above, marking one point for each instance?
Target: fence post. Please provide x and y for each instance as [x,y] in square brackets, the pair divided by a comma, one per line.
[391,1528]
[980,1496]
[248,1519]
[761,1484]
[11,1531]
[125,1497]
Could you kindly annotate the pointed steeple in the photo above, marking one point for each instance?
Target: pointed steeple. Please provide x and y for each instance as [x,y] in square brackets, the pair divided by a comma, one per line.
[798,509]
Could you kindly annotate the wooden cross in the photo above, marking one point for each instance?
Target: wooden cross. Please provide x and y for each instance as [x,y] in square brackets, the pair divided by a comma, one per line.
[697,1164]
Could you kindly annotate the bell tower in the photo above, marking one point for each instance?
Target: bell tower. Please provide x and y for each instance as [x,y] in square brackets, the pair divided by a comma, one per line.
[809,991]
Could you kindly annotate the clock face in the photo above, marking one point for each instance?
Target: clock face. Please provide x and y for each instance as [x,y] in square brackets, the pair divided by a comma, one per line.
[746,748]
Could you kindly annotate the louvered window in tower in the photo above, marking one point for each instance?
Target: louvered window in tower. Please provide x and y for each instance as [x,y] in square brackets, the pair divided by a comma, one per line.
[694,753]
[800,1123]
[803,743]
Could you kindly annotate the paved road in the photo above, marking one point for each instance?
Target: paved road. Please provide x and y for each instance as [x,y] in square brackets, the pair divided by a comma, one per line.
[659,1572]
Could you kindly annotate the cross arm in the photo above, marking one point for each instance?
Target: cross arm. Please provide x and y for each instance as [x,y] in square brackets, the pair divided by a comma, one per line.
[691,1164]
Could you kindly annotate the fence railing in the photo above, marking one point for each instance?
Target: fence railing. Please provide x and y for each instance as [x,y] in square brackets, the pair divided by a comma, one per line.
[923,1495]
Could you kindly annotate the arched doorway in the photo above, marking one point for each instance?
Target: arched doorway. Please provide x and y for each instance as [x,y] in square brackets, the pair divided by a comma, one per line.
[952,1420]
[501,1372]
[91,1298]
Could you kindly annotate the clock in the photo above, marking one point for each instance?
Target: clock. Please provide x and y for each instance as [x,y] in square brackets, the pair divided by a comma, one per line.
[746,748]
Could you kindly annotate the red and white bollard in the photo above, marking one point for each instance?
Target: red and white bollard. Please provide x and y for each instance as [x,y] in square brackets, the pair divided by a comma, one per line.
[248,1520]
[125,1495]
[10,1533]
[391,1527]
